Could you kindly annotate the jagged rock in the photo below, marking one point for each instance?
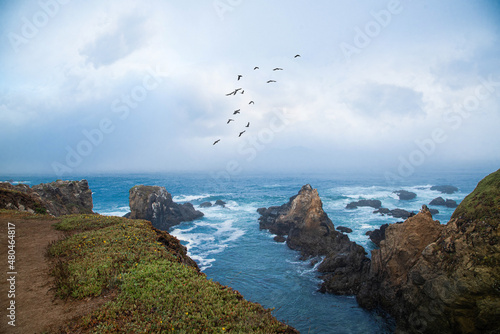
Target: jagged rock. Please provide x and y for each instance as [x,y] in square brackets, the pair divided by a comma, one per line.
[310,231]
[279,238]
[442,278]
[446,189]
[374,203]
[57,198]
[220,203]
[205,205]
[66,197]
[439,201]
[155,204]
[344,229]
[405,195]
[377,235]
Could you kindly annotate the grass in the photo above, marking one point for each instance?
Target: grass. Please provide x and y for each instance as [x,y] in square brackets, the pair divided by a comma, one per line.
[155,292]
[483,203]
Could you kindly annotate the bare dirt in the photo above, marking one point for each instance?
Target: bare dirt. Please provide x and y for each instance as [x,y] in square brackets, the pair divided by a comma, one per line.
[37,309]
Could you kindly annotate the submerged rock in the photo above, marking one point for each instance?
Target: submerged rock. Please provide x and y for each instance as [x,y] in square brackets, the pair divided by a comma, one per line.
[439,201]
[155,204]
[205,205]
[374,203]
[405,195]
[445,189]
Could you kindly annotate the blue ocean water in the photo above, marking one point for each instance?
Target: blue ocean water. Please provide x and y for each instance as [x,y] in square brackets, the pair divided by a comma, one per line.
[229,247]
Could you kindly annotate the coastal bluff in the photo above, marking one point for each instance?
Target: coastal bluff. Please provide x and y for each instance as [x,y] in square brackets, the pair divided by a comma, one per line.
[155,204]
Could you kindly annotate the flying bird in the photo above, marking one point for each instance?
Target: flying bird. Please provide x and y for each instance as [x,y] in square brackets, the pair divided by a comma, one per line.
[236,112]
[232,93]
[215,142]
[229,120]
[296,56]
[256,68]
[242,132]
[239,76]
[243,92]
[269,81]
[237,90]
[278,69]
[248,125]
[251,102]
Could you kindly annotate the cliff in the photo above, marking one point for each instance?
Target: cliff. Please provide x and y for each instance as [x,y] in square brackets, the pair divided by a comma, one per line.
[155,204]
[442,278]
[57,198]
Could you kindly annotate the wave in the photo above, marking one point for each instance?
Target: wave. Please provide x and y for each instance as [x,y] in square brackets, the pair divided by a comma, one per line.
[189,198]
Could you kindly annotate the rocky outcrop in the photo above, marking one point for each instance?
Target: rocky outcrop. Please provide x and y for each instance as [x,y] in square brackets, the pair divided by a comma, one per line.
[445,189]
[442,278]
[66,197]
[396,213]
[155,204]
[56,198]
[439,201]
[405,195]
[310,231]
[344,229]
[377,235]
[374,203]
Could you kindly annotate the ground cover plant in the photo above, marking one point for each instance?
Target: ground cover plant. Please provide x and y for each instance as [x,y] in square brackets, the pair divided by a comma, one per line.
[155,291]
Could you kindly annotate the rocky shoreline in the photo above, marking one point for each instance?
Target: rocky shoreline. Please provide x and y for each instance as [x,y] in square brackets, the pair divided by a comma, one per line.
[430,277]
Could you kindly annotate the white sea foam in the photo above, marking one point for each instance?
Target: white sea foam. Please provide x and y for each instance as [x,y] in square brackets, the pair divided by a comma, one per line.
[189,198]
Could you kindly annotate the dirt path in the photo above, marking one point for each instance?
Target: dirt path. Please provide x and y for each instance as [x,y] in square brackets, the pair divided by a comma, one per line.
[36,308]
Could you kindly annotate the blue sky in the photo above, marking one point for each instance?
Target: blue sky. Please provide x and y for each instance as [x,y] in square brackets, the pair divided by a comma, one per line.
[393,86]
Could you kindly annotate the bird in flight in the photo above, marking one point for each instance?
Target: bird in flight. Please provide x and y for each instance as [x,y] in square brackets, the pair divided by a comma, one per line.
[215,142]
[278,69]
[243,91]
[248,125]
[251,102]
[256,68]
[232,93]
[239,76]
[242,132]
[229,120]
[236,112]
[269,81]
[296,56]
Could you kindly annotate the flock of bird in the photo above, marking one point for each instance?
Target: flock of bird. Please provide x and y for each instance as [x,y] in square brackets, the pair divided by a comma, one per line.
[242,91]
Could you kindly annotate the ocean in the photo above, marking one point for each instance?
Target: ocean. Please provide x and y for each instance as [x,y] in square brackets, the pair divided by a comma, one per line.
[230,248]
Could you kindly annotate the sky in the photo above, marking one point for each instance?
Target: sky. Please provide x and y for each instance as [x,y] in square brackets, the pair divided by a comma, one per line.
[140,86]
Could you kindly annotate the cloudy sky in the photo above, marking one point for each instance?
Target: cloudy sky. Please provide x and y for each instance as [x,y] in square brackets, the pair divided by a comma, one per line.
[92,86]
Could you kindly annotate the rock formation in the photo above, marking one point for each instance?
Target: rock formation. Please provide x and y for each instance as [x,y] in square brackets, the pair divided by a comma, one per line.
[442,278]
[445,189]
[374,203]
[396,213]
[155,204]
[309,230]
[56,198]
[449,203]
[344,229]
[66,197]
[405,195]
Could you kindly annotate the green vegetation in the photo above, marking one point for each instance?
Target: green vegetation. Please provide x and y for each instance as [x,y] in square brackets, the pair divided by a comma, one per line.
[483,203]
[154,291]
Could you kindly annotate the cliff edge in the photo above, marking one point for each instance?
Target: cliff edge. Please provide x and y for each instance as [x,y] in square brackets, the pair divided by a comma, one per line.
[442,278]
